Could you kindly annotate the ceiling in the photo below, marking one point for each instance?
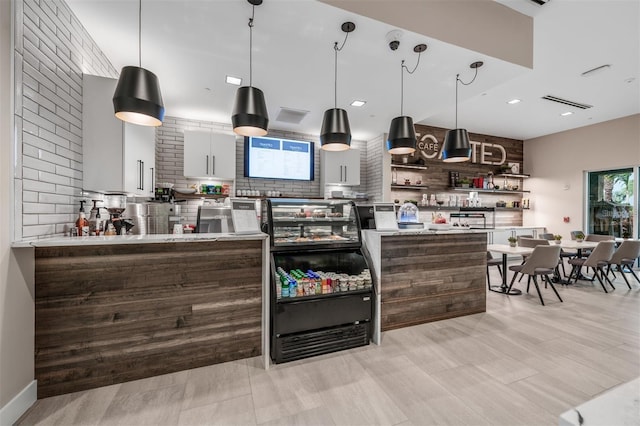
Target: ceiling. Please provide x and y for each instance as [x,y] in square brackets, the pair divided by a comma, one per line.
[193,45]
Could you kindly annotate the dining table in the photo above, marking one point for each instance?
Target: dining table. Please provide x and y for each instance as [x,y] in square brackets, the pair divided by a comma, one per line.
[506,250]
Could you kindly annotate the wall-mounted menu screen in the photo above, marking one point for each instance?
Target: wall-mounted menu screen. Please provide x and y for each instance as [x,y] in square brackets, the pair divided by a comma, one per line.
[273,158]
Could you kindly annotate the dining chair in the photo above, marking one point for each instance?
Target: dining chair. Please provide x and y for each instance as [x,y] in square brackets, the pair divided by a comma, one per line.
[597,238]
[531,243]
[597,260]
[624,257]
[546,236]
[541,262]
[491,261]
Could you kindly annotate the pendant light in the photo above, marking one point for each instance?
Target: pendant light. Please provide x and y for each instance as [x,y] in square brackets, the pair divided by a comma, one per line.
[249,116]
[402,134]
[456,142]
[335,133]
[137,98]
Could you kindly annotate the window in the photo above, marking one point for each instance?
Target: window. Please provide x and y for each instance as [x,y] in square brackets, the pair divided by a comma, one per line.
[611,202]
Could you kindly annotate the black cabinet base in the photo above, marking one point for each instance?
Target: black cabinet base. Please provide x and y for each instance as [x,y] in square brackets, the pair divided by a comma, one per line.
[291,347]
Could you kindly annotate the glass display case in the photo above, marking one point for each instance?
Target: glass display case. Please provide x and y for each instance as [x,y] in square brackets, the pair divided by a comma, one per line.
[293,223]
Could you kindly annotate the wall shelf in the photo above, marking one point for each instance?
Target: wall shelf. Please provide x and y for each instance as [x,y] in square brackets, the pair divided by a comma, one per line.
[495,191]
[409,166]
[410,187]
[513,175]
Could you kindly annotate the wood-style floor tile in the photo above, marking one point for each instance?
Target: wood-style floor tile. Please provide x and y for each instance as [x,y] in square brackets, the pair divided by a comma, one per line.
[235,411]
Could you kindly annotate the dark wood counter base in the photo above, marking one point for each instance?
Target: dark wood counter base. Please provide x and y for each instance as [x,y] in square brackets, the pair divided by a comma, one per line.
[112,313]
[431,277]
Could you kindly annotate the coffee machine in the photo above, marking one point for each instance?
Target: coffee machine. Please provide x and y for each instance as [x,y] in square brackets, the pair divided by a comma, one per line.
[166,195]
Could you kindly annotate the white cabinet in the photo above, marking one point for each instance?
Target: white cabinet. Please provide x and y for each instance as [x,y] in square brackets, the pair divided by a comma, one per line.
[116,156]
[340,167]
[209,155]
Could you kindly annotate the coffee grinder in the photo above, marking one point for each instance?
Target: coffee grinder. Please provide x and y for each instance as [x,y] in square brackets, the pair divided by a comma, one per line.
[116,225]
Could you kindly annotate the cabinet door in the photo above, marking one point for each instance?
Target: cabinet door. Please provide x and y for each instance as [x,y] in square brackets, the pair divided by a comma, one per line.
[341,167]
[223,156]
[197,153]
[139,159]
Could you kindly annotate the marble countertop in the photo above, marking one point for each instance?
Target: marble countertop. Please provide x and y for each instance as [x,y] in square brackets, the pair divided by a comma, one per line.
[428,231]
[135,239]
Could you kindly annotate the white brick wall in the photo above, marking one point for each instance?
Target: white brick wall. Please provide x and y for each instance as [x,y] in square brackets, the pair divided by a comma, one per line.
[52,51]
[375,151]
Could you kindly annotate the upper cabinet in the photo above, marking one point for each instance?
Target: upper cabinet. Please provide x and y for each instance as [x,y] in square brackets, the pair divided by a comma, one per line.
[209,155]
[340,167]
[116,156]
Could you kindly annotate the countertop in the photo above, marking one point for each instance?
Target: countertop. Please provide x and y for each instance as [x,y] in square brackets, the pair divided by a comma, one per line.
[135,239]
[428,231]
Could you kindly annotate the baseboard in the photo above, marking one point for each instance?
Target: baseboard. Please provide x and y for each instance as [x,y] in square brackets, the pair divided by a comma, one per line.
[19,405]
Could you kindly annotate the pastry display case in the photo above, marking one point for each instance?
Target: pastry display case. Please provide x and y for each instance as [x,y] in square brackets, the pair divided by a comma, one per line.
[293,223]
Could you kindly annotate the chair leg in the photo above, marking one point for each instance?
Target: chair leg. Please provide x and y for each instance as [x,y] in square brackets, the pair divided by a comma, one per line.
[528,282]
[564,272]
[552,286]
[512,281]
[535,282]
[573,274]
[488,279]
[521,277]
[603,275]
[600,281]
[626,280]
[499,270]
[633,273]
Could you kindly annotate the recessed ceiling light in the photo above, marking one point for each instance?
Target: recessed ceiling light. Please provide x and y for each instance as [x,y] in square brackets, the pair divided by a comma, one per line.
[357,103]
[233,80]
[514,101]
[564,114]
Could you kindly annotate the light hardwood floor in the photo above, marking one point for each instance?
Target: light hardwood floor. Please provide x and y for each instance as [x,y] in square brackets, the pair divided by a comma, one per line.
[519,363]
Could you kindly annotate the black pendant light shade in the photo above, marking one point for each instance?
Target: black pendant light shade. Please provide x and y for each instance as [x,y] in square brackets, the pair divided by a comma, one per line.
[402,136]
[137,98]
[249,116]
[456,146]
[335,133]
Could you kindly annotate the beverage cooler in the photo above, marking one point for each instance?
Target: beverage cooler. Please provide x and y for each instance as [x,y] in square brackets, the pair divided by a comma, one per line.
[321,288]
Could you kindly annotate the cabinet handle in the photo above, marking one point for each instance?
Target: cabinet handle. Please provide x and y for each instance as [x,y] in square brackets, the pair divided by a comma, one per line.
[153,180]
[138,181]
[345,174]
[142,175]
[340,173]
[213,165]
[207,164]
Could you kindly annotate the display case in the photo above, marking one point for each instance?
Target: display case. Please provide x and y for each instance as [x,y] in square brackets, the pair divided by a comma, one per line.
[293,223]
[321,287]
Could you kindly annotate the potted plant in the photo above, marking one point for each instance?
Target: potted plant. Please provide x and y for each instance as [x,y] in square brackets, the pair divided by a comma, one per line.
[512,241]
[579,237]
[557,238]
[464,183]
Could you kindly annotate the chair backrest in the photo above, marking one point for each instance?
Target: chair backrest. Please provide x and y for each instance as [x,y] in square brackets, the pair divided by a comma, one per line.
[574,233]
[627,250]
[546,236]
[603,252]
[542,257]
[598,237]
[532,242]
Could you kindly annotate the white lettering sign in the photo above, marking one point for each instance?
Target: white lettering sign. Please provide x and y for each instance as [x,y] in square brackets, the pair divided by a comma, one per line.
[481,152]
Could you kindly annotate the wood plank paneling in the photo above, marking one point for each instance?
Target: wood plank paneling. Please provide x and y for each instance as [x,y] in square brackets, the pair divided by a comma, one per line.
[431,277]
[114,313]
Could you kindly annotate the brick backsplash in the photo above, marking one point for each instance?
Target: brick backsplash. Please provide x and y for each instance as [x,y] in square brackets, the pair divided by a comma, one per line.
[52,51]
[170,162]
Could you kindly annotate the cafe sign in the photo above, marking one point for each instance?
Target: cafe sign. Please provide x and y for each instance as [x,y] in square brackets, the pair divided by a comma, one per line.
[481,152]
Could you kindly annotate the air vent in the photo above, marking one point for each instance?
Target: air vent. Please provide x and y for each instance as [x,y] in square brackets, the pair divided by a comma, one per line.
[566,102]
[291,116]
[540,2]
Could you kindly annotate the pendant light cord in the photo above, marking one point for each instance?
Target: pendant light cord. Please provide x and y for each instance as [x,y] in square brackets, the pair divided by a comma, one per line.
[253,13]
[465,84]
[337,49]
[402,68]
[140,33]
